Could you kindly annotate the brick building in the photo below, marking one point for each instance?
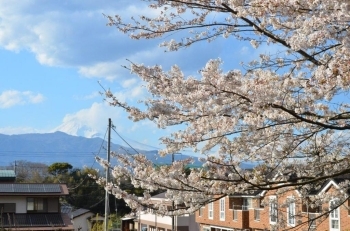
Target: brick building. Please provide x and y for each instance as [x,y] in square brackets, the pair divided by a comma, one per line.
[269,210]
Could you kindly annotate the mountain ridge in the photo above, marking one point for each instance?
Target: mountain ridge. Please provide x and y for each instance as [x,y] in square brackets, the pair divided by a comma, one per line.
[61,147]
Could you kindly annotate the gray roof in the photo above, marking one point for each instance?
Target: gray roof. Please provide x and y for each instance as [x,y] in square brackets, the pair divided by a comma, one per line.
[67,209]
[79,212]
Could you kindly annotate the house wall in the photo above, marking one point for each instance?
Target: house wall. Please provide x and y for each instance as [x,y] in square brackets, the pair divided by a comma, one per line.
[248,221]
[246,218]
[241,223]
[264,222]
[324,222]
[21,202]
[81,222]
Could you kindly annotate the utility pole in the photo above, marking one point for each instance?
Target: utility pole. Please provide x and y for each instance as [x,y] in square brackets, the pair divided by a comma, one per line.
[173,217]
[107,174]
[173,203]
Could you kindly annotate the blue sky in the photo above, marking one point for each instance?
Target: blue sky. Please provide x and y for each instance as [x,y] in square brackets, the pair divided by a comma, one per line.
[53,53]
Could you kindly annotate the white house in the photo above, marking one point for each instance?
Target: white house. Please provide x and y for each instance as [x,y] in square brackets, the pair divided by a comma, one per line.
[148,221]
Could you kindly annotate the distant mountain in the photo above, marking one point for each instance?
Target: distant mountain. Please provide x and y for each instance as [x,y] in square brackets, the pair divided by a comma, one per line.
[77,128]
[60,147]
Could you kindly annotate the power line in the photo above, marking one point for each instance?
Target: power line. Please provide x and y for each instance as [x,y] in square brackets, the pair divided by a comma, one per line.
[125,140]
[103,141]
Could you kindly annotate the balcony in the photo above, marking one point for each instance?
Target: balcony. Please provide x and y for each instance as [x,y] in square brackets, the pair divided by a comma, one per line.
[240,214]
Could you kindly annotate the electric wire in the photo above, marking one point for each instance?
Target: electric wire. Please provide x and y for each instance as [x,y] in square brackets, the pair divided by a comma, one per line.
[103,141]
[156,165]
[124,140]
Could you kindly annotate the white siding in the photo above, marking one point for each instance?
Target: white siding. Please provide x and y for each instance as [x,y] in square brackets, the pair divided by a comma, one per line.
[21,202]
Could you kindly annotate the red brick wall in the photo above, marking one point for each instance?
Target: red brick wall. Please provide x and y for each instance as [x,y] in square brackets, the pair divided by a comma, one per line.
[246,218]
[243,216]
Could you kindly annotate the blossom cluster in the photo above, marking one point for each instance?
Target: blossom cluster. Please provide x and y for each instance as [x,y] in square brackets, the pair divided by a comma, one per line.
[287,112]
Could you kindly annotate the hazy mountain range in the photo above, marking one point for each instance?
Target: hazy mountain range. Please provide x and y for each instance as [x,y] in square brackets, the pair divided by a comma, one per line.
[60,147]
[79,151]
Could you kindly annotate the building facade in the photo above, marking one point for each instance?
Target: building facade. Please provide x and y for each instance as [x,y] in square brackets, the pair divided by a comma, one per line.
[32,206]
[272,210]
[147,220]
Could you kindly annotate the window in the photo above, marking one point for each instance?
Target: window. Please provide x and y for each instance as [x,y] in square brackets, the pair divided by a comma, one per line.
[247,203]
[257,214]
[235,215]
[273,210]
[200,211]
[222,209]
[7,208]
[312,221]
[334,215]
[210,210]
[36,204]
[291,213]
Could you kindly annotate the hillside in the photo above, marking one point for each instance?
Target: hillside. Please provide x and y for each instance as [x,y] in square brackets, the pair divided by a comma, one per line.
[60,147]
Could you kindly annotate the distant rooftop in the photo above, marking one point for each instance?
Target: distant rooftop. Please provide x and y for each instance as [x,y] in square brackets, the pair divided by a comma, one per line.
[79,212]
[7,175]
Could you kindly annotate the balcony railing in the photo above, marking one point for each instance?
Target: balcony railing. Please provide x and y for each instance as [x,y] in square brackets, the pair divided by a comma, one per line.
[241,207]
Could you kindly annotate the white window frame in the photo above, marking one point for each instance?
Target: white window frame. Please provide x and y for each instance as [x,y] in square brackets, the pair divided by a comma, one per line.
[222,209]
[273,210]
[256,214]
[211,210]
[334,215]
[291,212]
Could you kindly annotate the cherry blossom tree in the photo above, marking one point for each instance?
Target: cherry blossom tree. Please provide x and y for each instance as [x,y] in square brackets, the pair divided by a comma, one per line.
[286,111]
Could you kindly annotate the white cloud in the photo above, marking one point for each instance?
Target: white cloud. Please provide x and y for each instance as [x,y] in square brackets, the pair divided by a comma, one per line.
[13,98]
[93,95]
[89,122]
[18,130]
[244,50]
[129,82]
[74,34]
[138,91]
